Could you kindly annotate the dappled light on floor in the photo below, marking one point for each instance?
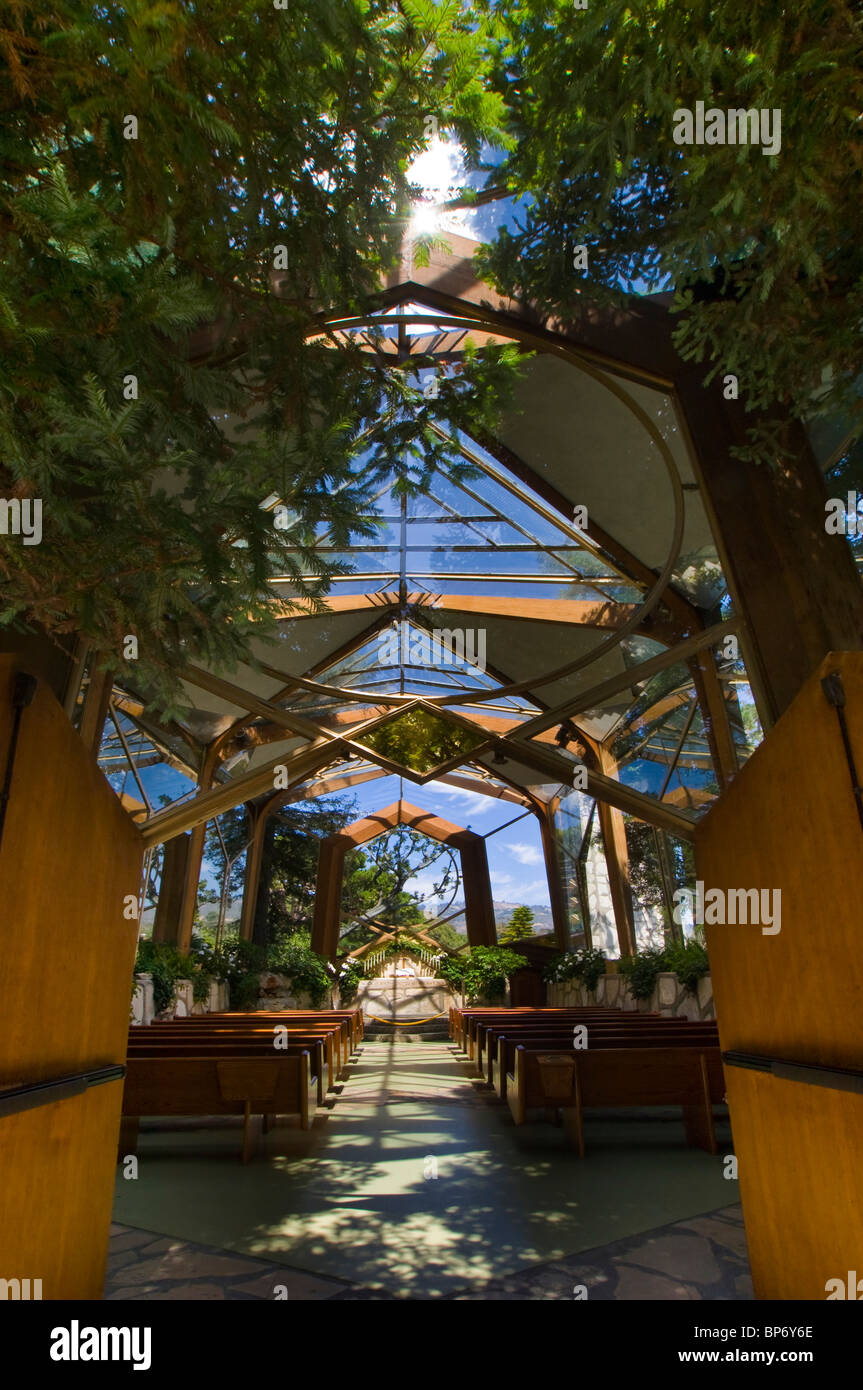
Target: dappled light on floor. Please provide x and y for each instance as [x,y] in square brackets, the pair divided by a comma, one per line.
[413,1182]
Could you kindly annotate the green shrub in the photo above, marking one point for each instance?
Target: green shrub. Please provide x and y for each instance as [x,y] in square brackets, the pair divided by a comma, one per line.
[167,965]
[481,972]
[239,964]
[689,962]
[641,971]
[292,955]
[586,965]
[349,976]
[452,969]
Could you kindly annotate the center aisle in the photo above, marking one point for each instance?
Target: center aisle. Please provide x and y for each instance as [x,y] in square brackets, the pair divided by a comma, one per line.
[415,1183]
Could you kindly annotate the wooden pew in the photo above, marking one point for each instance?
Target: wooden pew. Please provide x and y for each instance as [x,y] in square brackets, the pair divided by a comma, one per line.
[477,1027]
[353,1018]
[474,1019]
[462,1019]
[317,1022]
[188,1085]
[163,1034]
[486,1032]
[501,1063]
[691,1077]
[242,1046]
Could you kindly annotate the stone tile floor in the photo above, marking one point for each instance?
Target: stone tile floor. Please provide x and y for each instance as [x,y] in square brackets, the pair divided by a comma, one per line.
[702,1258]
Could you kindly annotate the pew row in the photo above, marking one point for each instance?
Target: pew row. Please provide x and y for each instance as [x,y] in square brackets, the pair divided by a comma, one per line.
[189,1085]
[244,1046]
[690,1077]
[487,1034]
[149,1038]
[471,1024]
[500,1068]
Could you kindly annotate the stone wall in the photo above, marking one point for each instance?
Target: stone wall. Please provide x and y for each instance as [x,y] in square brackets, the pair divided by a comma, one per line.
[276,992]
[612,991]
[402,999]
[143,1009]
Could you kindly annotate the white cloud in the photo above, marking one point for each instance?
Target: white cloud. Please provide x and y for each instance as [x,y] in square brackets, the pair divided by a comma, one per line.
[466,803]
[525,854]
[538,885]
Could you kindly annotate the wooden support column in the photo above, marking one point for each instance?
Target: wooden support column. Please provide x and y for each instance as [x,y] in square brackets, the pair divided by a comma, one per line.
[795,586]
[714,712]
[252,876]
[478,901]
[168,909]
[557,897]
[95,709]
[328,895]
[617,861]
[189,904]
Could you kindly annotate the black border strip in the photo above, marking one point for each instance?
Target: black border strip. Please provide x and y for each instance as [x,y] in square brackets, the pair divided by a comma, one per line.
[807,1073]
[37,1093]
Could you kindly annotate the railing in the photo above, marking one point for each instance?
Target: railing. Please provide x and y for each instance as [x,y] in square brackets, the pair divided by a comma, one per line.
[373,963]
[36,1093]
[807,1073]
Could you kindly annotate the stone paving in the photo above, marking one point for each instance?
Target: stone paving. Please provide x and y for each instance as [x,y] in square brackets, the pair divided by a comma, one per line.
[702,1258]
[345,1210]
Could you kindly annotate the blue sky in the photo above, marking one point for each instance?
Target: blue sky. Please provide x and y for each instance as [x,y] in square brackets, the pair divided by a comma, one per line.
[515,856]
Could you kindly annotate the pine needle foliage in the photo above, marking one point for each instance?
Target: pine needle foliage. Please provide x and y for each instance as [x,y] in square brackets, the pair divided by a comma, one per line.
[155,258]
[761,251]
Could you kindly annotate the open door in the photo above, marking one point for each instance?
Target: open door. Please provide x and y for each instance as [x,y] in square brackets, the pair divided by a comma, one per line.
[790,1002]
[70,868]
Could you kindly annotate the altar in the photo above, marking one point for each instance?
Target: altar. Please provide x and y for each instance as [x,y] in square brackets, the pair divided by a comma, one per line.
[401,993]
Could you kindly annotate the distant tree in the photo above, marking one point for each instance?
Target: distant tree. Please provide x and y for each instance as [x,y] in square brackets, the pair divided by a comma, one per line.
[447,937]
[520,925]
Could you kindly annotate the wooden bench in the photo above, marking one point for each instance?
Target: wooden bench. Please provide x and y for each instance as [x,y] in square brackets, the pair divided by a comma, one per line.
[462,1019]
[691,1077]
[352,1018]
[486,1034]
[241,1045]
[472,1023]
[344,1031]
[188,1085]
[501,1063]
[266,1038]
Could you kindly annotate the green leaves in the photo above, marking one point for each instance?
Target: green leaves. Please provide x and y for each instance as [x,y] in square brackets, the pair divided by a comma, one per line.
[481,972]
[591,96]
[152,258]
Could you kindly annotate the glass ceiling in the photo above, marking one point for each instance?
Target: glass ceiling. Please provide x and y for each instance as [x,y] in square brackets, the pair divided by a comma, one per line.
[481,581]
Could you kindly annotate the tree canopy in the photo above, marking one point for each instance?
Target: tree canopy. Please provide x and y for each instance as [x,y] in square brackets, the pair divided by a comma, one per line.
[185,192]
[759,249]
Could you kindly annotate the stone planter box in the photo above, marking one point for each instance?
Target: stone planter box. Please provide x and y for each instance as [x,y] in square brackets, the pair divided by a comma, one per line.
[216,1001]
[276,992]
[669,997]
[142,1010]
[498,1002]
[183,1001]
